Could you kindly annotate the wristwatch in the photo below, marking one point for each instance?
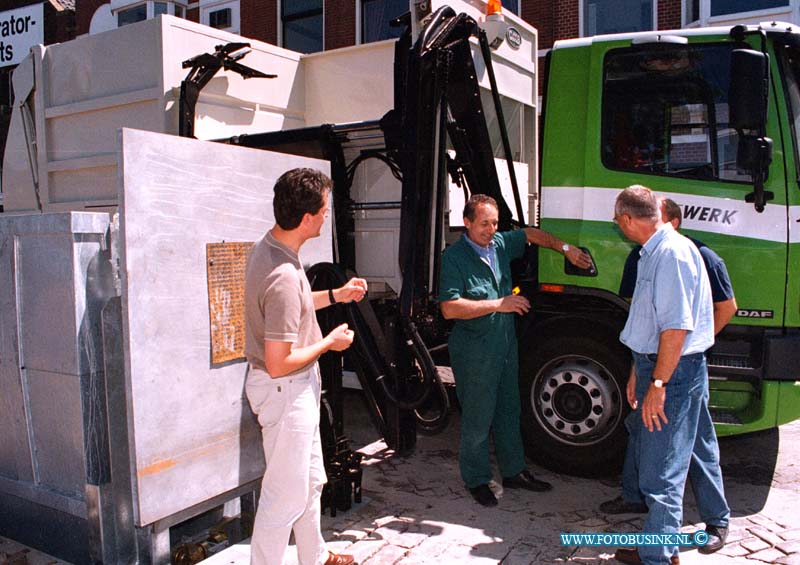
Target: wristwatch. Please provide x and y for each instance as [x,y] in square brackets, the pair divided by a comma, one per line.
[565,248]
[658,383]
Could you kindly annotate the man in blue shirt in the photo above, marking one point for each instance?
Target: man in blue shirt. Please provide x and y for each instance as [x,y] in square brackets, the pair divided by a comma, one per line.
[704,470]
[475,290]
[721,288]
[670,326]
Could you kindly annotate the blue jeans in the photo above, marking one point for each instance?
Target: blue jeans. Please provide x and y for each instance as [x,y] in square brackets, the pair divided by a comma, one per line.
[657,463]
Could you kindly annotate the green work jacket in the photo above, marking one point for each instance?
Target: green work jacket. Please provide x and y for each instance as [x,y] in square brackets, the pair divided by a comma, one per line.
[465,275]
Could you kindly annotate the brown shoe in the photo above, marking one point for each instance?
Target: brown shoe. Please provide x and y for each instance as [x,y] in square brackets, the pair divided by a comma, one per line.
[631,555]
[340,559]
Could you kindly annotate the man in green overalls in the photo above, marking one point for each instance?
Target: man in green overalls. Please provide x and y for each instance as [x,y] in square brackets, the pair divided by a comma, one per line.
[475,290]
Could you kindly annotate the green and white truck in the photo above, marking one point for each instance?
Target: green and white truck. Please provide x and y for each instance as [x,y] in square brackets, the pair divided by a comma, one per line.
[98,224]
[708,118]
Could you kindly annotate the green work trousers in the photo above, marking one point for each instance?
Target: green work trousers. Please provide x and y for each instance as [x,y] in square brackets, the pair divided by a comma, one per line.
[486,370]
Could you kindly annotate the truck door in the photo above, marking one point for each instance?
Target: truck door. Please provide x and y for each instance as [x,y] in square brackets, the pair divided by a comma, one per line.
[788,63]
[665,124]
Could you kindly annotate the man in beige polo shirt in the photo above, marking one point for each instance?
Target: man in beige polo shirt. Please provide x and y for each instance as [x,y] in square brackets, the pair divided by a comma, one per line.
[283,343]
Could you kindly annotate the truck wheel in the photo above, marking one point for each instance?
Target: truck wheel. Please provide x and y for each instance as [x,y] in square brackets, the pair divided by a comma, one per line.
[572,391]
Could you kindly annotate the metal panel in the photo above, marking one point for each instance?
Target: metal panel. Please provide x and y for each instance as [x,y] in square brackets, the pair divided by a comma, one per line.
[57,430]
[49,372]
[194,435]
[41,355]
[14,449]
[46,302]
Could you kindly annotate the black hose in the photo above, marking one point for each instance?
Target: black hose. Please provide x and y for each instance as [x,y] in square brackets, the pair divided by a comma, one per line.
[369,341]
[439,422]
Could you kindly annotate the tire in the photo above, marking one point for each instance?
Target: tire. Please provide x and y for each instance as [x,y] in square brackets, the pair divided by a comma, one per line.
[572,391]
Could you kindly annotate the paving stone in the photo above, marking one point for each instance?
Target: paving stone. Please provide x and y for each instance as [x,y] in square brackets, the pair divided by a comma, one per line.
[737,532]
[770,555]
[792,546]
[593,524]
[793,559]
[733,550]
[768,523]
[790,534]
[365,549]
[353,535]
[388,554]
[523,555]
[585,554]
[770,537]
[754,544]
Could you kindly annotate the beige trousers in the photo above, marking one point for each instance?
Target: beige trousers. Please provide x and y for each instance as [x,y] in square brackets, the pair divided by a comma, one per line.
[288,411]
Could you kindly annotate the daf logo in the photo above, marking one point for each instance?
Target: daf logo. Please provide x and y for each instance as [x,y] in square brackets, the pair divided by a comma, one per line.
[514,37]
[742,313]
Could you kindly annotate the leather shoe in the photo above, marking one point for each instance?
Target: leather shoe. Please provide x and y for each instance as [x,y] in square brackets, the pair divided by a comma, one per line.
[716,539]
[526,480]
[340,559]
[621,506]
[483,495]
[631,555]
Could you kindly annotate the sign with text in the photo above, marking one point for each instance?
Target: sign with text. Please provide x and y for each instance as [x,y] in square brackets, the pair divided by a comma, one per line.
[20,30]
[226,264]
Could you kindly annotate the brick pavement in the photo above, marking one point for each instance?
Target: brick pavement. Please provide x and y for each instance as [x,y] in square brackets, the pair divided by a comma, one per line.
[416,511]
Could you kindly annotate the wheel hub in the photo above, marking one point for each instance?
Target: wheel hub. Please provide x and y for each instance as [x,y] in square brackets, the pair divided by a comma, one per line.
[576,400]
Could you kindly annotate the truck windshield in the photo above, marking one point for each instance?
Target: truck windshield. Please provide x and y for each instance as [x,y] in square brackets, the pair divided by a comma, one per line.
[665,111]
[789,58]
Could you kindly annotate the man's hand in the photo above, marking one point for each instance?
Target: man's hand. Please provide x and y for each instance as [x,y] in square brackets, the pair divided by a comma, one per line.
[354,290]
[340,338]
[513,303]
[653,408]
[578,257]
[630,389]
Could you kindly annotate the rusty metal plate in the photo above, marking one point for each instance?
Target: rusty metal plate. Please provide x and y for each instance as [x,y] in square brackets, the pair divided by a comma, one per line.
[226,264]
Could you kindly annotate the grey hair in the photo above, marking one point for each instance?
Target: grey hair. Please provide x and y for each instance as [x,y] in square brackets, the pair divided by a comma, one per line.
[638,202]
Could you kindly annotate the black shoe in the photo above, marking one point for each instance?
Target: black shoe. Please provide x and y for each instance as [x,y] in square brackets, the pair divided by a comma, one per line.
[716,539]
[621,506]
[527,481]
[483,495]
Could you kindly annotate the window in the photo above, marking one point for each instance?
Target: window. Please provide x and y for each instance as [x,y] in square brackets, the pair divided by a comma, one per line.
[220,19]
[617,16]
[699,12]
[692,11]
[789,58]
[665,111]
[302,25]
[132,15]
[725,7]
[512,6]
[221,15]
[376,16]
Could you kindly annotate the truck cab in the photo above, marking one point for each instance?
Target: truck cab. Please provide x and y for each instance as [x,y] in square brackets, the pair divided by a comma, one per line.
[670,111]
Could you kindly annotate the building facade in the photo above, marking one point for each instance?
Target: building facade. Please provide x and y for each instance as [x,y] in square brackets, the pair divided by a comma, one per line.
[315,25]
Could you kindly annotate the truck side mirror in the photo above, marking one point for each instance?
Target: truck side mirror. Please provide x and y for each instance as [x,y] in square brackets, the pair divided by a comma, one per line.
[748,96]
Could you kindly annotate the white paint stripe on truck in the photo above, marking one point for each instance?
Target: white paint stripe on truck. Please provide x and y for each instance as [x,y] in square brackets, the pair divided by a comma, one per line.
[726,216]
